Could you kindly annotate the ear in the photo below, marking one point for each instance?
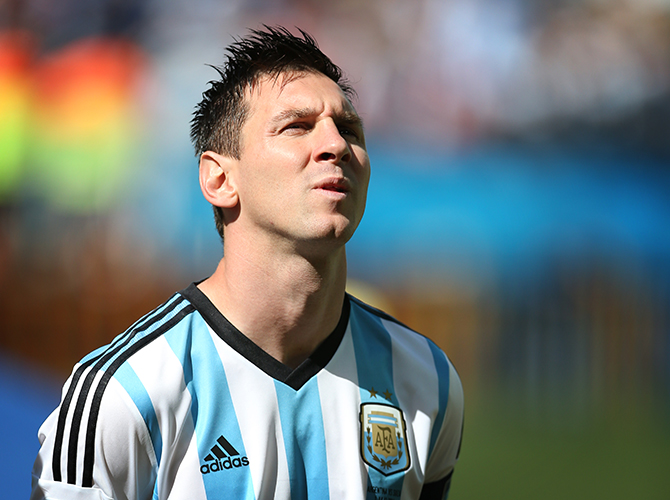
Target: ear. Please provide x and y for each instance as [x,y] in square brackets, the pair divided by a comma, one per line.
[216,181]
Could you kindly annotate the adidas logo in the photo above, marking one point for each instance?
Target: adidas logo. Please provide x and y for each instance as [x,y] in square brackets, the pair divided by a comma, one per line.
[223,456]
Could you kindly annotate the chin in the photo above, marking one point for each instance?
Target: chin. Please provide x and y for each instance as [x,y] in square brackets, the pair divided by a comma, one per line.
[327,238]
[341,229]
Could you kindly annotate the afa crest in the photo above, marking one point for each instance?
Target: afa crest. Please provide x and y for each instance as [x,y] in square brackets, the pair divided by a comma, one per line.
[384,438]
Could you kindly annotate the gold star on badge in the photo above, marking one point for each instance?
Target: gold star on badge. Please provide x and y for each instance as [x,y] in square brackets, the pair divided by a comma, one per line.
[373,393]
[388,395]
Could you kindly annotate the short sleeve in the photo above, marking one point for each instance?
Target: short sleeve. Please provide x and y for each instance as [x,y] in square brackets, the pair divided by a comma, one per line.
[124,465]
[446,450]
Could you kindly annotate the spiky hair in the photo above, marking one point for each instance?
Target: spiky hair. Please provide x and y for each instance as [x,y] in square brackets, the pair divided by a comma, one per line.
[274,51]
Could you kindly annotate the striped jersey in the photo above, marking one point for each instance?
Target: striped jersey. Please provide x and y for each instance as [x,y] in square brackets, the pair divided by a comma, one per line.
[184,406]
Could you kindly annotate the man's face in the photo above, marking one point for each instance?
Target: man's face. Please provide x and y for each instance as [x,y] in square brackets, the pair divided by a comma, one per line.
[303,171]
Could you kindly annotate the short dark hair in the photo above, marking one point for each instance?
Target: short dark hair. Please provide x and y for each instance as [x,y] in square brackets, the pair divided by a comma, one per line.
[219,117]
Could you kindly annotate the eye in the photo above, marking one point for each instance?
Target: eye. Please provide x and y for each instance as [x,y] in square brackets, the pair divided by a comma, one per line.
[296,128]
[347,131]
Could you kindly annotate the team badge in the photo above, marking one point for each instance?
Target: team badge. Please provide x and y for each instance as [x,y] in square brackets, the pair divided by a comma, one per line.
[384,438]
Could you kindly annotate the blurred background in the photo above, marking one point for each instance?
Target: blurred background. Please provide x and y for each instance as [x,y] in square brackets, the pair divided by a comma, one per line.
[518,214]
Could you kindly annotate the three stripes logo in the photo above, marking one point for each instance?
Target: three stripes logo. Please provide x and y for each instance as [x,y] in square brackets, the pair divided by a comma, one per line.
[223,456]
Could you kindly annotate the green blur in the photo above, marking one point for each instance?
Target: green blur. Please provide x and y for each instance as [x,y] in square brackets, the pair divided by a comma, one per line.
[516,451]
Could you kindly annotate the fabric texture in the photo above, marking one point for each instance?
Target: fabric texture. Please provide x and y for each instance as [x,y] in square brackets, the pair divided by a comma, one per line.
[183,406]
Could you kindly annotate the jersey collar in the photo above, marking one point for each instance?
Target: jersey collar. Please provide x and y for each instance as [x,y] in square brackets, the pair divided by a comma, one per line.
[294,378]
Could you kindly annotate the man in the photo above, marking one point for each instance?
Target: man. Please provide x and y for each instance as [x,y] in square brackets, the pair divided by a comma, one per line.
[266,380]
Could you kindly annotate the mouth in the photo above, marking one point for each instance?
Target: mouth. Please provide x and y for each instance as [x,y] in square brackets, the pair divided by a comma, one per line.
[334,186]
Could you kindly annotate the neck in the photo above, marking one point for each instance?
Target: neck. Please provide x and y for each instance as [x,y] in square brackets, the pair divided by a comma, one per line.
[286,304]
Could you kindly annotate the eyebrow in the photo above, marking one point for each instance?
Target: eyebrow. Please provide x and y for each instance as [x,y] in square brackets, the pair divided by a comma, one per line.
[346,117]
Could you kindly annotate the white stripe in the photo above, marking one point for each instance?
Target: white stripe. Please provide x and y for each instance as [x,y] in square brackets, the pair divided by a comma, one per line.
[47,432]
[340,406]
[81,440]
[184,483]
[255,401]
[171,399]
[121,445]
[411,370]
[449,439]
[376,419]
[67,431]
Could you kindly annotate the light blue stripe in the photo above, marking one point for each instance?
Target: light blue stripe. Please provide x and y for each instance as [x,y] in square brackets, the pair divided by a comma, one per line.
[381,420]
[137,392]
[374,361]
[304,440]
[442,369]
[374,357]
[211,407]
[99,350]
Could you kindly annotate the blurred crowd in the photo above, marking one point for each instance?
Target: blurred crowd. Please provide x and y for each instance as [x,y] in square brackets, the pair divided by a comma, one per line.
[97,224]
[450,71]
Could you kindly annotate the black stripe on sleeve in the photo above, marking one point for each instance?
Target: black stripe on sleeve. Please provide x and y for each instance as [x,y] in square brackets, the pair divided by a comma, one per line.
[62,415]
[88,382]
[99,361]
[67,400]
[89,453]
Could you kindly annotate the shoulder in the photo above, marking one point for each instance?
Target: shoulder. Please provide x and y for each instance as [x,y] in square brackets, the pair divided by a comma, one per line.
[421,379]
[135,363]
[393,326]
[143,343]
[415,360]
[110,397]
[141,334]
[369,315]
[404,340]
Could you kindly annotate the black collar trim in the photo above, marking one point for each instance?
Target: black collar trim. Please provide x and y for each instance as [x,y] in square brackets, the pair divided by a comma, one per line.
[294,378]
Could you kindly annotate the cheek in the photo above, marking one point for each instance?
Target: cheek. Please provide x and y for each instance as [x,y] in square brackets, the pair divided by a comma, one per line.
[281,158]
[364,162]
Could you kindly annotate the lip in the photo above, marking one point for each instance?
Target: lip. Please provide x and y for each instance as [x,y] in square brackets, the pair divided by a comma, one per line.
[335,185]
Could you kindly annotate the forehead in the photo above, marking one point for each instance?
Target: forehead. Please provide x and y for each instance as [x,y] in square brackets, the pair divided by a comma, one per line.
[274,94]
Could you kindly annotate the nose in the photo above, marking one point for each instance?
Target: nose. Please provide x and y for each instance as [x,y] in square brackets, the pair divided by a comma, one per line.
[331,146]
